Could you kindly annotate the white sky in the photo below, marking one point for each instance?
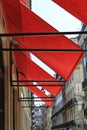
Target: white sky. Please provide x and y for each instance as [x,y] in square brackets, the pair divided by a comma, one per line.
[42,65]
[55,15]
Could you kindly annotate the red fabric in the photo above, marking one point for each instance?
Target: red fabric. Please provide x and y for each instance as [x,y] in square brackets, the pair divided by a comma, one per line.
[34,72]
[11,9]
[24,1]
[78,8]
[22,66]
[34,22]
[38,92]
[63,63]
[20,12]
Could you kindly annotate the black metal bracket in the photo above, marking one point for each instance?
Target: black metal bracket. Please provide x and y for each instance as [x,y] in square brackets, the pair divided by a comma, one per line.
[44,106]
[27,99]
[37,81]
[41,50]
[41,34]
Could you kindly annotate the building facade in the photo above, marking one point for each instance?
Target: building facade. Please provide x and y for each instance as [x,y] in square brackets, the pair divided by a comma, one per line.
[68,110]
[13,114]
[83,43]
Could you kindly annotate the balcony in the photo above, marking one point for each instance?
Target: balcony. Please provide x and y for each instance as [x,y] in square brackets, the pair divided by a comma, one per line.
[67,124]
[84,84]
[67,105]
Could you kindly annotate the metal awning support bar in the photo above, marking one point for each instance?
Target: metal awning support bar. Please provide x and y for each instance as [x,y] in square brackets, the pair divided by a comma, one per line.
[39,50]
[37,81]
[35,97]
[41,34]
[35,106]
[10,47]
[50,85]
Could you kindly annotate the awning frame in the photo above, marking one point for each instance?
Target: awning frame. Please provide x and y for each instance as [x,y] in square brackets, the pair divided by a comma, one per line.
[10,49]
[27,99]
[22,49]
[41,34]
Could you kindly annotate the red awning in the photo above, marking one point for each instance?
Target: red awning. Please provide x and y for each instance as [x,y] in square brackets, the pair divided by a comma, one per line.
[63,63]
[34,89]
[42,95]
[38,92]
[34,72]
[19,11]
[11,9]
[78,8]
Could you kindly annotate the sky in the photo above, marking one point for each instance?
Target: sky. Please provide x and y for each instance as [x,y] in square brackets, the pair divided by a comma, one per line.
[56,16]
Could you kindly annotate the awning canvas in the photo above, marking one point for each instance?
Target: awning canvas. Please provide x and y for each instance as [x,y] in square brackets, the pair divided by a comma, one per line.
[49,101]
[20,19]
[63,63]
[31,71]
[78,8]
[24,1]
